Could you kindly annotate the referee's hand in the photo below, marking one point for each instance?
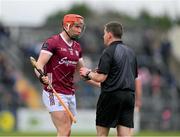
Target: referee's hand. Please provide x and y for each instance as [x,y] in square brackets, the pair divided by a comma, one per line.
[83,71]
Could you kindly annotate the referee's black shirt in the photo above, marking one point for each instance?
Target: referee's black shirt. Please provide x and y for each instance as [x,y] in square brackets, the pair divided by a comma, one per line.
[119,62]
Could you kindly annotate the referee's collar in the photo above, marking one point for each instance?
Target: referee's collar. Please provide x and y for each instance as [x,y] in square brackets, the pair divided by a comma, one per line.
[116,42]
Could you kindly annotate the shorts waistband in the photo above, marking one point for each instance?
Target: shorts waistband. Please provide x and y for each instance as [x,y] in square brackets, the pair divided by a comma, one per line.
[60,92]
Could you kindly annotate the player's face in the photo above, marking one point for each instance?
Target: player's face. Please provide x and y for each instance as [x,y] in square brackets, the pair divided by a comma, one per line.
[77,29]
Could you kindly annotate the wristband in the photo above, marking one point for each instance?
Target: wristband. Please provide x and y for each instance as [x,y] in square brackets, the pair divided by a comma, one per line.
[86,77]
[87,74]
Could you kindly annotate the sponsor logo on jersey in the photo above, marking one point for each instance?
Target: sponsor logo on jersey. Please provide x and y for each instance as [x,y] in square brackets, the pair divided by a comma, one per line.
[67,62]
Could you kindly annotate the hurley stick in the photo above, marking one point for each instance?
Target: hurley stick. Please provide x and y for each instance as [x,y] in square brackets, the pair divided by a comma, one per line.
[34,64]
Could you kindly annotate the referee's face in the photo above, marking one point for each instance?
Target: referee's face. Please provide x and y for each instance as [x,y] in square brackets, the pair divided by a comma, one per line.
[106,37]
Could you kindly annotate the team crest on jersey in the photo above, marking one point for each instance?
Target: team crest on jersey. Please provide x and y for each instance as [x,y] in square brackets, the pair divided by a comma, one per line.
[71,52]
[77,53]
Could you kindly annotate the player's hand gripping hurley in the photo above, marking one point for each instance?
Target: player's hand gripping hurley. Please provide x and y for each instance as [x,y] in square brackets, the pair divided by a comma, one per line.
[33,62]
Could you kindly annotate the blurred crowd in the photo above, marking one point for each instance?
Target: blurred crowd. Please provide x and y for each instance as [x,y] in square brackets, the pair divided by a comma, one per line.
[160,89]
[9,97]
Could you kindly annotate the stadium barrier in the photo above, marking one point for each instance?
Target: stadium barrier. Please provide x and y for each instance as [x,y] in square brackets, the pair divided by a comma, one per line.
[33,120]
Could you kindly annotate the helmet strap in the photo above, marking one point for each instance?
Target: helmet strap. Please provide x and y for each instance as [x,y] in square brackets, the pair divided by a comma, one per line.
[72,38]
[66,30]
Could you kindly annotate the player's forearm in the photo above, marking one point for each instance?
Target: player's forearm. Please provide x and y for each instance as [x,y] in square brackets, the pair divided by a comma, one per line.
[94,83]
[39,67]
[138,89]
[88,74]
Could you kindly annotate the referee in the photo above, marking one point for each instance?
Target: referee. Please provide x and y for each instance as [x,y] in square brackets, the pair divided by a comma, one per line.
[117,73]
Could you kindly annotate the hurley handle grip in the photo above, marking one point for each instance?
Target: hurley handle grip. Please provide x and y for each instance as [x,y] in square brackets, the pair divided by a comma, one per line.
[33,62]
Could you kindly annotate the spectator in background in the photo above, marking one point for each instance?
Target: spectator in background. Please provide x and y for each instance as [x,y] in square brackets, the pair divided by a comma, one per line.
[9,97]
[138,104]
[165,50]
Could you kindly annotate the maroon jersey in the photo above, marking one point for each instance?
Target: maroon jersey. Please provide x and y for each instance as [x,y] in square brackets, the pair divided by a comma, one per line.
[62,64]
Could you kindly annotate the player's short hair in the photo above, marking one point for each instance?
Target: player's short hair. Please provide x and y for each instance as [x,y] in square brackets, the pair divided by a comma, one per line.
[115,28]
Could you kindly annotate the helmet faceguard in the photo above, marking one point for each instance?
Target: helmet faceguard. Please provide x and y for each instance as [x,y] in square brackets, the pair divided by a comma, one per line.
[71,20]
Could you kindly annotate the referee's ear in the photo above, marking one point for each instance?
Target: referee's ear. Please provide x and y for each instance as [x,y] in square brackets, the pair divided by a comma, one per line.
[110,35]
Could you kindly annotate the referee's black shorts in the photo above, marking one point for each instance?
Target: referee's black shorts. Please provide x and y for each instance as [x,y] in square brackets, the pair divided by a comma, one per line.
[116,108]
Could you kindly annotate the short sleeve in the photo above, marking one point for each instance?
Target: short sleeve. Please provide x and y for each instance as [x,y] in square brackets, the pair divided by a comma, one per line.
[80,54]
[48,46]
[105,61]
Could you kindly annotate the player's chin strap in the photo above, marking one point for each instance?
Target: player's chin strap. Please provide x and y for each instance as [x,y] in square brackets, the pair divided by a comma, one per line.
[72,38]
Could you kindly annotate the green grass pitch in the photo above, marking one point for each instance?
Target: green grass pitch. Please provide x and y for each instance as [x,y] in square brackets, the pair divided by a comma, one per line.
[86,134]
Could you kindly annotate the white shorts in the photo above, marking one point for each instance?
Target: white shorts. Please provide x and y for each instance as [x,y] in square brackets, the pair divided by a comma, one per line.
[51,102]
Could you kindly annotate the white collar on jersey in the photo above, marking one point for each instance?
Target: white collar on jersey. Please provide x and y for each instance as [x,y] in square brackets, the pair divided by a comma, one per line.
[69,44]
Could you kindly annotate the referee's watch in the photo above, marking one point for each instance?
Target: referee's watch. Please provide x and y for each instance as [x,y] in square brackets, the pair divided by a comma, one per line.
[87,75]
